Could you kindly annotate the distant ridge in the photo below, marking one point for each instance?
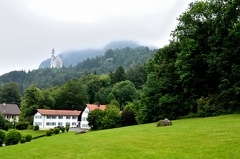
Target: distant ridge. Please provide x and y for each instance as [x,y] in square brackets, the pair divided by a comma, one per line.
[73,57]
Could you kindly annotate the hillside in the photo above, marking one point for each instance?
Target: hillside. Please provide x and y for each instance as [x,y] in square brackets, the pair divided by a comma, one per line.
[73,57]
[198,138]
[102,64]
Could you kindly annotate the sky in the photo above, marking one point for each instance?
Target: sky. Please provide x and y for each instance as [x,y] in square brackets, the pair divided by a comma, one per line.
[30,29]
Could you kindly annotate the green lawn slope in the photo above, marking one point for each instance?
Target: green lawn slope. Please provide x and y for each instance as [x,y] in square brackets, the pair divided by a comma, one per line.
[197,138]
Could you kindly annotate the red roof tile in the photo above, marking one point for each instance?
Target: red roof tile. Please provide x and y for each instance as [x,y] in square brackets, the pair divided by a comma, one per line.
[94,106]
[59,112]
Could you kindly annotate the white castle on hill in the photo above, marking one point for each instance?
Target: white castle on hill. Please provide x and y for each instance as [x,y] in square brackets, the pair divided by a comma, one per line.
[56,62]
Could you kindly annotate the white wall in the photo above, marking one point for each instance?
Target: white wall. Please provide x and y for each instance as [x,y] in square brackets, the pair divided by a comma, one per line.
[12,118]
[46,123]
[84,122]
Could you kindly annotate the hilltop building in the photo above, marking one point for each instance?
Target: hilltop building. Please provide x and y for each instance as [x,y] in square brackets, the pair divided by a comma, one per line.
[56,61]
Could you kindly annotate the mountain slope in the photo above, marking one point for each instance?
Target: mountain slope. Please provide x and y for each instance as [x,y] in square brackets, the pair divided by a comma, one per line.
[72,58]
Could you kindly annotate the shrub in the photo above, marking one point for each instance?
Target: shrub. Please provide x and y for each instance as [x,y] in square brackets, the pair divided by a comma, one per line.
[128,117]
[36,127]
[2,136]
[62,129]
[23,140]
[8,125]
[49,133]
[22,125]
[28,137]
[67,128]
[56,130]
[51,130]
[13,137]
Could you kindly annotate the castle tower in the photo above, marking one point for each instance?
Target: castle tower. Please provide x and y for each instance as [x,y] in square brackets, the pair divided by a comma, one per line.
[56,61]
[52,58]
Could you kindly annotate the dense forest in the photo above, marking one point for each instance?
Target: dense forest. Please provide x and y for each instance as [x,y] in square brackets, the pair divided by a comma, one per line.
[195,75]
[47,77]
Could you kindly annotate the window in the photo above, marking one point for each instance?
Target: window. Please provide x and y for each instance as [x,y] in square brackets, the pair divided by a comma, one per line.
[68,117]
[60,123]
[60,117]
[38,117]
[68,123]
[84,125]
[38,123]
[84,119]
[74,117]
[74,124]
[51,124]
[51,117]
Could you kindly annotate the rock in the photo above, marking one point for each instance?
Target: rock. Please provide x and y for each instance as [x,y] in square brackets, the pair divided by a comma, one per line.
[81,131]
[164,122]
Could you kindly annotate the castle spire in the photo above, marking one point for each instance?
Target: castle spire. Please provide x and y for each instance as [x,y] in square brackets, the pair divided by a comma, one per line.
[53,52]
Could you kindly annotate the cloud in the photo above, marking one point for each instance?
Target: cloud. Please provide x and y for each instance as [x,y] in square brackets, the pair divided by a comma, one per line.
[30,29]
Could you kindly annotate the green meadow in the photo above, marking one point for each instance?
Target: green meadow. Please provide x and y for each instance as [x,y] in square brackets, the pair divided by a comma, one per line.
[196,138]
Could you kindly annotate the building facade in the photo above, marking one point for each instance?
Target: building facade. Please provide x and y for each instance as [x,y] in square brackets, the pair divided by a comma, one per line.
[84,114]
[47,119]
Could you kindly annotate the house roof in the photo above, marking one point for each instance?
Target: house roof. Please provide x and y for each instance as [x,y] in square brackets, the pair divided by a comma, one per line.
[94,106]
[59,112]
[9,109]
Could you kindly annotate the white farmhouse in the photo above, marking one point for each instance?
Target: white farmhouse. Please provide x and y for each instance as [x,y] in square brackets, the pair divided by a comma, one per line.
[46,119]
[84,114]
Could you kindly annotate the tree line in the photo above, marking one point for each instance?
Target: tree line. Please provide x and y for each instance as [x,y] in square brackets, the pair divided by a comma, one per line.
[127,57]
[195,75]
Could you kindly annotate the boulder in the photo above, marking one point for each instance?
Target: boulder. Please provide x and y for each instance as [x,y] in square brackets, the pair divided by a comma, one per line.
[81,131]
[164,122]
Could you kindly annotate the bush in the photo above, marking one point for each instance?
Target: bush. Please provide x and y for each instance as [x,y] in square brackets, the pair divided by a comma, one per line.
[36,127]
[62,129]
[67,128]
[128,117]
[13,137]
[2,136]
[8,125]
[56,130]
[22,125]
[28,137]
[23,140]
[49,133]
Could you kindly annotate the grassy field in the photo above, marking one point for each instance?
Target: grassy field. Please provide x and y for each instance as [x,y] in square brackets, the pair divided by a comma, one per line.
[199,138]
[33,133]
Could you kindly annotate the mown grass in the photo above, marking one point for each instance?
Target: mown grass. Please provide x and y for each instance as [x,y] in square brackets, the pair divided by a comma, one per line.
[33,133]
[198,138]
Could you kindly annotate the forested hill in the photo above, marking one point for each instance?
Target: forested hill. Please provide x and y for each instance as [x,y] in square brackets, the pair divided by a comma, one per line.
[103,64]
[72,58]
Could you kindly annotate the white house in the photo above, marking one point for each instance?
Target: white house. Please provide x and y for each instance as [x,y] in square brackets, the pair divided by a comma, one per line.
[84,114]
[46,119]
[11,112]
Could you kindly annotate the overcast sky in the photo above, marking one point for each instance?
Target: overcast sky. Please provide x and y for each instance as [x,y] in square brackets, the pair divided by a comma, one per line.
[29,29]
